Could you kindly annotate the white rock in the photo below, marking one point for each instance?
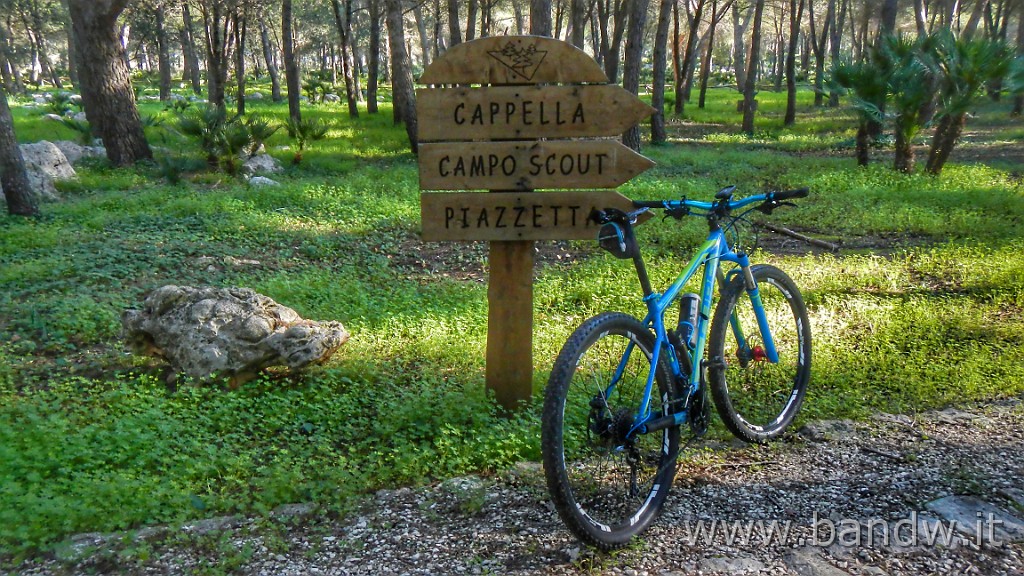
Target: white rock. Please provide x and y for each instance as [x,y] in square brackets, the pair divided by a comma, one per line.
[262,164]
[263,181]
[44,163]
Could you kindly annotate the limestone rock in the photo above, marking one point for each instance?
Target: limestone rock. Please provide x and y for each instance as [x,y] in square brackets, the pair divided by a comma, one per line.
[75,152]
[260,181]
[262,164]
[207,332]
[45,163]
[334,98]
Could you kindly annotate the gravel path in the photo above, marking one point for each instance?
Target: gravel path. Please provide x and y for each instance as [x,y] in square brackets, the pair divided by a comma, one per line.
[820,503]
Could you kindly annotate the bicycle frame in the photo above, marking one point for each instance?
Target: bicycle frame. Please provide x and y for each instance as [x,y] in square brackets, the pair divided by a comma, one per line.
[708,258]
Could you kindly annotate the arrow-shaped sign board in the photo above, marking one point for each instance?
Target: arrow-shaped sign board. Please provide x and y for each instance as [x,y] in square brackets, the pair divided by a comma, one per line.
[500,216]
[516,165]
[523,112]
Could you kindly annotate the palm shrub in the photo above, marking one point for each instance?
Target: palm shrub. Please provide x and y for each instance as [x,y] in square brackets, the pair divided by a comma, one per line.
[963,67]
[909,68]
[305,131]
[866,83]
[223,139]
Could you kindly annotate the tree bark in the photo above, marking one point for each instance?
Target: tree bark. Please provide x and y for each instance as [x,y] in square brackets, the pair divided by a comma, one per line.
[11,76]
[401,72]
[945,138]
[421,27]
[1018,101]
[344,33]
[578,15]
[106,88]
[373,66]
[887,25]
[796,12]
[619,16]
[218,29]
[740,22]
[706,64]
[904,159]
[818,46]
[471,12]
[454,33]
[268,57]
[21,199]
[164,52]
[750,87]
[835,37]
[540,18]
[633,60]
[658,133]
[239,27]
[682,91]
[291,66]
[188,47]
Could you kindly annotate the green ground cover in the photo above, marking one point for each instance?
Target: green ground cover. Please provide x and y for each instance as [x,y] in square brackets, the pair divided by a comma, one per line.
[922,308]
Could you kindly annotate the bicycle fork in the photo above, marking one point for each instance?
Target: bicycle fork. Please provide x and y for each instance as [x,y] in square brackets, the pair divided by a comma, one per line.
[744,352]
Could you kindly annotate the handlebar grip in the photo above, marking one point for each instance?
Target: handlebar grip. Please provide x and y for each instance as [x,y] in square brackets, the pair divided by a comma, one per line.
[649,203]
[798,193]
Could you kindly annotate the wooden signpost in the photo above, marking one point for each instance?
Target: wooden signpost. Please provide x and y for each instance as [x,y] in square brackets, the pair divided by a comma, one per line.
[507,114]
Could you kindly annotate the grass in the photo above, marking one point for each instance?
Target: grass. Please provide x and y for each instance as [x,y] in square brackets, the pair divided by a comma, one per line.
[925,312]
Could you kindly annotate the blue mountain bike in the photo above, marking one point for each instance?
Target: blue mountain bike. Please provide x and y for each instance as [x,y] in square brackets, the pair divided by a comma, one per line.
[622,388]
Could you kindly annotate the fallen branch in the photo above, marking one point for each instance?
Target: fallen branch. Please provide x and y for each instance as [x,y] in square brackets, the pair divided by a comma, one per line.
[812,241]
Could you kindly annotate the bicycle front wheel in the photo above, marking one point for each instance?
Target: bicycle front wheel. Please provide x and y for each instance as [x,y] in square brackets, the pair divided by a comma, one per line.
[607,481]
[758,399]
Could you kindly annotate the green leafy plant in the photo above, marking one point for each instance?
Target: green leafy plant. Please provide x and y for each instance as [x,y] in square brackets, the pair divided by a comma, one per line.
[60,103]
[866,83]
[224,139]
[305,131]
[82,129]
[964,67]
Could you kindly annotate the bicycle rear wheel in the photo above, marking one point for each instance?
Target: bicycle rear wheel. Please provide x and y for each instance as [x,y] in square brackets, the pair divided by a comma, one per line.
[607,485]
[758,399]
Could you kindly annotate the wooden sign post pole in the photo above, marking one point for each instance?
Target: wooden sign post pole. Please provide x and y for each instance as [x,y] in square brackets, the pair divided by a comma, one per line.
[513,124]
[510,321]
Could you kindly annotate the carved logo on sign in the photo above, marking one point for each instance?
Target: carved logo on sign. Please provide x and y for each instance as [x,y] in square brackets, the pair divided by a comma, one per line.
[522,61]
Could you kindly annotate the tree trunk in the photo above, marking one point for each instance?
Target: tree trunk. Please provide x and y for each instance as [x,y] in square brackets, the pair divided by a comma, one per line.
[945,138]
[658,133]
[454,33]
[471,20]
[188,47]
[268,57]
[750,88]
[11,77]
[887,26]
[677,63]
[578,16]
[373,66]
[21,199]
[540,18]
[1018,101]
[519,16]
[401,72]
[682,85]
[796,12]
[291,66]
[863,144]
[705,66]
[37,34]
[611,59]
[740,22]
[217,28]
[921,17]
[633,61]
[69,32]
[164,51]
[106,88]
[344,33]
[240,26]
[818,46]
[904,160]
[421,27]
[835,37]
